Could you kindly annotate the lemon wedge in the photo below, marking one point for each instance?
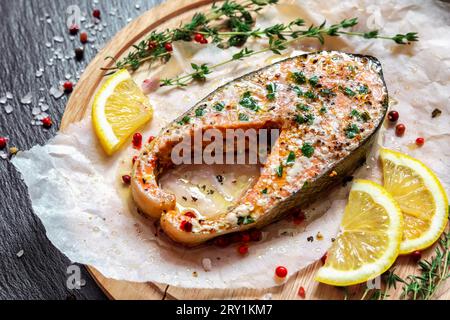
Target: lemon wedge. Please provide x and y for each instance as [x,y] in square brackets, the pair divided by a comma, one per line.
[119,109]
[369,241]
[420,196]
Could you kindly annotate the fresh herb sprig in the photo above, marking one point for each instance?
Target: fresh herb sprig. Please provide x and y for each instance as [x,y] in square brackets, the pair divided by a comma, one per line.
[423,286]
[281,36]
[234,15]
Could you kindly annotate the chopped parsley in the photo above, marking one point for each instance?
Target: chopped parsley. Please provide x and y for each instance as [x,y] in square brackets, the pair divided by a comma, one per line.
[349,92]
[314,81]
[245,220]
[200,111]
[326,93]
[307,150]
[363,89]
[323,109]
[249,102]
[302,107]
[360,116]
[310,95]
[298,91]
[264,191]
[279,171]
[271,90]
[184,120]
[243,117]
[290,158]
[308,119]
[351,131]
[299,77]
[219,106]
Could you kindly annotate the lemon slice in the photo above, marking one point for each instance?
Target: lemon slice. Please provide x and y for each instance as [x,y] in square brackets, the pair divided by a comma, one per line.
[120,108]
[421,197]
[369,241]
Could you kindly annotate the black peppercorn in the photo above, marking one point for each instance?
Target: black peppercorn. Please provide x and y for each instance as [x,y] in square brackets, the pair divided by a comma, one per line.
[79,53]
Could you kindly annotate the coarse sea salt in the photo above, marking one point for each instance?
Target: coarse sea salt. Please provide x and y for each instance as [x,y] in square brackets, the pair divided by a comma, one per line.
[3,100]
[8,109]
[56,92]
[207,264]
[27,98]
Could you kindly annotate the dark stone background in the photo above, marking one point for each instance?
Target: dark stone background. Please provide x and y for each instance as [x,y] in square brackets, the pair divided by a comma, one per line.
[40,273]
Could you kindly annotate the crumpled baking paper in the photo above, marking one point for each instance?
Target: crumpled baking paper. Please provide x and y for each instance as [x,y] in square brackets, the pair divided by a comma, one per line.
[76,191]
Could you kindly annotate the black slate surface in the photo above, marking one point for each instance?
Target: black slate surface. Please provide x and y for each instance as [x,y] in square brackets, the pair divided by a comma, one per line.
[26,27]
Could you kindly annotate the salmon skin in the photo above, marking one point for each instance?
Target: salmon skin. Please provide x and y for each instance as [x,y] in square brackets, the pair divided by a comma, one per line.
[327,105]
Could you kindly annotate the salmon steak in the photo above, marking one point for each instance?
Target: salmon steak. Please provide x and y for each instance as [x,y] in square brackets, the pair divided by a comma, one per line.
[327,107]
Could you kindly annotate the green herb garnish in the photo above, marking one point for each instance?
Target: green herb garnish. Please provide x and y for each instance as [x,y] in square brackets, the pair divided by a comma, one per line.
[351,131]
[249,102]
[271,90]
[314,81]
[290,158]
[219,106]
[279,171]
[302,107]
[200,111]
[245,220]
[243,117]
[298,77]
[308,119]
[184,120]
[307,150]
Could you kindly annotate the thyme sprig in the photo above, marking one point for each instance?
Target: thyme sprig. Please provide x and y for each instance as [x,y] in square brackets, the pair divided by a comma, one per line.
[433,272]
[231,14]
[280,36]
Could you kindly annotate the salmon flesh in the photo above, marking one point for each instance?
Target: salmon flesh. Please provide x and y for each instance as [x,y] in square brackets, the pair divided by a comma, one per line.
[327,106]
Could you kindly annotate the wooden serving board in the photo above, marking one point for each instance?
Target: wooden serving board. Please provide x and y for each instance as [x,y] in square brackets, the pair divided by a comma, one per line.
[169,14]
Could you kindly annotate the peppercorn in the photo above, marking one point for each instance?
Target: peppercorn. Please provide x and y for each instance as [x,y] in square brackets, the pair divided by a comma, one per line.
[400,129]
[416,255]
[126,179]
[96,13]
[420,141]
[137,140]
[256,235]
[245,237]
[68,87]
[186,226]
[79,53]
[243,249]
[47,122]
[301,292]
[84,37]
[152,45]
[73,30]
[393,116]
[3,142]
[281,272]
[168,47]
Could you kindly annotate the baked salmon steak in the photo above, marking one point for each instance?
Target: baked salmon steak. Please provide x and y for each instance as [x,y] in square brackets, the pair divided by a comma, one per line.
[327,107]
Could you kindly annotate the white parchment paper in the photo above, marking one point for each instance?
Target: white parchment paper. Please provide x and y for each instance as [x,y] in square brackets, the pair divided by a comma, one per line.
[75,189]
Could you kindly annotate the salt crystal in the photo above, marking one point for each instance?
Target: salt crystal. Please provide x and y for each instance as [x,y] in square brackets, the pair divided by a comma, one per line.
[48,44]
[9,109]
[27,98]
[20,253]
[206,263]
[44,107]
[58,39]
[39,73]
[3,155]
[105,24]
[3,100]
[56,92]
[72,38]
[83,19]
[9,95]
[49,21]
[35,111]
[68,76]
[137,6]
[41,99]
[129,19]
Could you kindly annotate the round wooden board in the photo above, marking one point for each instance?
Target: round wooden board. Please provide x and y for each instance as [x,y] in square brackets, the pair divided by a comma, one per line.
[168,14]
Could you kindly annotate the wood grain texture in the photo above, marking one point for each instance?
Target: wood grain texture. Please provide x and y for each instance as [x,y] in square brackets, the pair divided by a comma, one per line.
[41,272]
[171,13]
